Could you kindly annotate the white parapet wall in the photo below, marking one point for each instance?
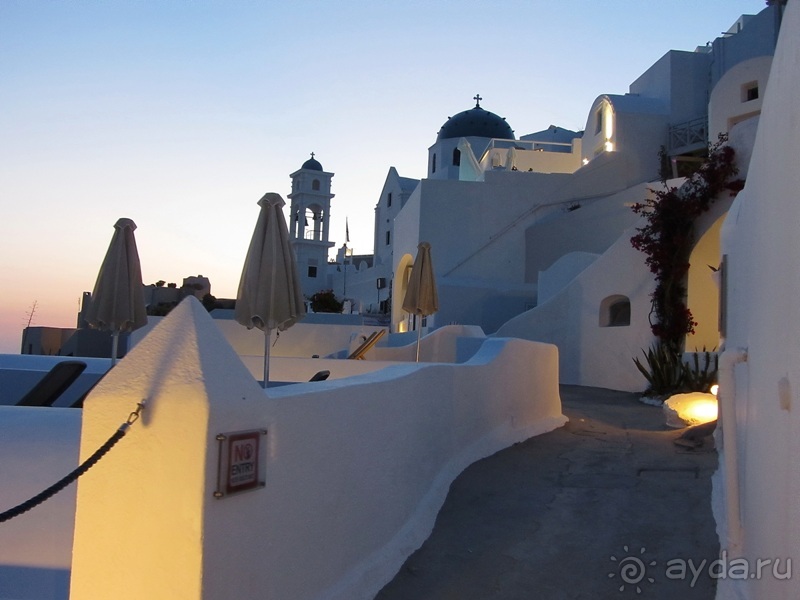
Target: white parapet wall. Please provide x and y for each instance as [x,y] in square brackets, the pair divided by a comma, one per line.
[307,338]
[356,469]
[38,446]
[448,344]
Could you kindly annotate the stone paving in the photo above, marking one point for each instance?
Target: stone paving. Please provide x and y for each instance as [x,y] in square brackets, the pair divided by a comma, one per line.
[607,506]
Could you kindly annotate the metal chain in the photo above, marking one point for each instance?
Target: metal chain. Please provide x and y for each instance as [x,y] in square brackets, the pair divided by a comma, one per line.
[87,464]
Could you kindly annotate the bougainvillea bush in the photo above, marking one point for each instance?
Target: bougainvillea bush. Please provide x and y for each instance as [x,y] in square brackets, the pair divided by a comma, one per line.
[667,239]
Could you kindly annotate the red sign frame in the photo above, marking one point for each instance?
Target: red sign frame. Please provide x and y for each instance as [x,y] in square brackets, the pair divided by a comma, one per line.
[240,462]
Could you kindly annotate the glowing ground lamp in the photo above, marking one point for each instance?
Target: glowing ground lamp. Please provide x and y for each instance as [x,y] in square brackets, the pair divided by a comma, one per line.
[693,408]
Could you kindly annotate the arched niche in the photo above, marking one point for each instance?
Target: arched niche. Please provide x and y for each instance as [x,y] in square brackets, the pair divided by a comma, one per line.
[615,311]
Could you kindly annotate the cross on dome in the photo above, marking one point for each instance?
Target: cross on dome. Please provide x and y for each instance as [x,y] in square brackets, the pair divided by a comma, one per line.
[476,122]
[312,164]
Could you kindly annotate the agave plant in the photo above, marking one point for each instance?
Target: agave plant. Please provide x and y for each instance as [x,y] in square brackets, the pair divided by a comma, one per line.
[700,379]
[663,369]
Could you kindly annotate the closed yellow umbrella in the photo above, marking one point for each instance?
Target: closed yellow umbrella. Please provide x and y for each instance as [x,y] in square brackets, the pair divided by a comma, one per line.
[117,303]
[421,297]
[269,295]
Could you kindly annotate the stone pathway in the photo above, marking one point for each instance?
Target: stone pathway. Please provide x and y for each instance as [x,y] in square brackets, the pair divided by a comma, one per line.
[604,507]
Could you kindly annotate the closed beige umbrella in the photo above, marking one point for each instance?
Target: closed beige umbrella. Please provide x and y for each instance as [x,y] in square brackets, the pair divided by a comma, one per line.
[269,295]
[117,303]
[421,297]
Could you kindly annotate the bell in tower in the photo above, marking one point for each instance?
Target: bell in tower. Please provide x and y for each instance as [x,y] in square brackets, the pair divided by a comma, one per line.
[309,224]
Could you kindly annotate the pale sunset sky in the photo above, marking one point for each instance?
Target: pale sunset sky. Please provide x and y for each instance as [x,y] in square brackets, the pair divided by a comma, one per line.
[181,114]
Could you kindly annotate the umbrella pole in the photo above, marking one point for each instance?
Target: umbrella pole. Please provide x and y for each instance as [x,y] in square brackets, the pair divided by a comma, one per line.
[266,356]
[114,345]
[419,333]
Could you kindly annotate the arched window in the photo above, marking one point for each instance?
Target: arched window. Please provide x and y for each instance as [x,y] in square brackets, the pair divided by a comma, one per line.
[615,311]
[315,185]
[456,157]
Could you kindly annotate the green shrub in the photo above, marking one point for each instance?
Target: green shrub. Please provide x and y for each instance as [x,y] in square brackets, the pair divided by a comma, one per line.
[325,302]
[667,374]
[700,379]
[663,370]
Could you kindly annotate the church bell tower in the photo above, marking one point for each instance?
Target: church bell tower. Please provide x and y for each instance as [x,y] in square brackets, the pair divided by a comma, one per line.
[309,224]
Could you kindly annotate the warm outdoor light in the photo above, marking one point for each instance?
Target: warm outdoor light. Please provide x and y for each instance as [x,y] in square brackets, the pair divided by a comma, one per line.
[714,389]
[702,410]
[608,127]
[608,118]
[694,408]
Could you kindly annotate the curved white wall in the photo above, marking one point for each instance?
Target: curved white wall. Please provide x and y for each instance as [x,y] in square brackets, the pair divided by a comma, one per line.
[728,104]
[560,273]
[588,353]
[759,448]
[356,469]
[600,131]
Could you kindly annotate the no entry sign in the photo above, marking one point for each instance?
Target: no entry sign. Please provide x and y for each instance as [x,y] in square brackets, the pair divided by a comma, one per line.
[240,462]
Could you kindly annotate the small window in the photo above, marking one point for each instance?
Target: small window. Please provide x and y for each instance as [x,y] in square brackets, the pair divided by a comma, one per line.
[750,91]
[433,164]
[615,311]
[315,185]
[312,272]
[456,157]
[389,199]
[598,121]
[388,237]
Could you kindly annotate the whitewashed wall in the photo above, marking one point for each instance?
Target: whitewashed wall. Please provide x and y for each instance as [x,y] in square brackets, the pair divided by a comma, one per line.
[38,446]
[448,344]
[356,469]
[303,339]
[757,489]
[524,158]
[727,106]
[556,277]
[19,373]
[679,80]
[587,224]
[483,260]
[588,353]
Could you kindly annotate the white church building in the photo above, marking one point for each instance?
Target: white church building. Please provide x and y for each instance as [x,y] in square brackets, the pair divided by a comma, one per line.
[530,234]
